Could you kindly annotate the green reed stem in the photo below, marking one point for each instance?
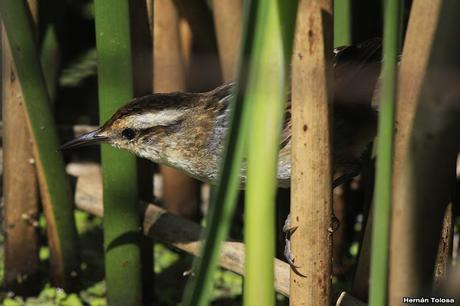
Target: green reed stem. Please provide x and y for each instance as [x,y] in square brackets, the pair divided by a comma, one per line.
[121,213]
[224,194]
[268,80]
[383,190]
[342,22]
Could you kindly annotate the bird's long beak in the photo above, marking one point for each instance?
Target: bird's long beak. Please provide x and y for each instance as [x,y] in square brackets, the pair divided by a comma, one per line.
[87,139]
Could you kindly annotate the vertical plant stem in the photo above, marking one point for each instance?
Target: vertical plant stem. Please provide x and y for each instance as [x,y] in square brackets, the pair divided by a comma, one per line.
[52,178]
[427,180]
[268,81]
[417,49]
[382,208]
[444,255]
[342,22]
[20,189]
[228,20]
[311,191]
[121,220]
[224,194]
[170,73]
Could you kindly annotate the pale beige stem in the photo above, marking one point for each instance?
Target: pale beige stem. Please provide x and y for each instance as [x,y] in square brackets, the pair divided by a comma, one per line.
[311,196]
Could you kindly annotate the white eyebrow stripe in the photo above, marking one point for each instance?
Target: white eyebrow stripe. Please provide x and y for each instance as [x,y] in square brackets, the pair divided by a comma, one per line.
[148,120]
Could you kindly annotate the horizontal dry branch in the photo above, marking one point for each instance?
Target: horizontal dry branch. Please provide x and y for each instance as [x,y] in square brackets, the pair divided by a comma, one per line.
[165,227]
[176,231]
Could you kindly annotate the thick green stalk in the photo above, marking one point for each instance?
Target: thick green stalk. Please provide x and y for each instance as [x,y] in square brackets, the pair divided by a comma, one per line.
[268,78]
[224,194]
[121,214]
[54,187]
[342,22]
[383,190]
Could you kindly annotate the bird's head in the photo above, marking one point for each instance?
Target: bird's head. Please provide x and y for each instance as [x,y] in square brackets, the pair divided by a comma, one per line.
[147,126]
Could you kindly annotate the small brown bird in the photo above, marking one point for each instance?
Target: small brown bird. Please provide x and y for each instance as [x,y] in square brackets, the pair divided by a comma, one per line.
[186,130]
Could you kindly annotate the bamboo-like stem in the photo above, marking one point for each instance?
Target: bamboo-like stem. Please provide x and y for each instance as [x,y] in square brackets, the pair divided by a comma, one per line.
[382,195]
[170,75]
[20,188]
[228,20]
[52,179]
[416,52]
[121,221]
[268,81]
[311,191]
[425,180]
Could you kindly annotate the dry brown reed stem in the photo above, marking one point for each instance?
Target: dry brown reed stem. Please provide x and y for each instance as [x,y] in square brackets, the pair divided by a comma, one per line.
[198,16]
[311,196]
[444,256]
[179,190]
[20,189]
[404,274]
[228,20]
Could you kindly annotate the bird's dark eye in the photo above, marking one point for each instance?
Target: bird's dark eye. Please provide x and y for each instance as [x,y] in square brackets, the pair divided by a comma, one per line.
[128,134]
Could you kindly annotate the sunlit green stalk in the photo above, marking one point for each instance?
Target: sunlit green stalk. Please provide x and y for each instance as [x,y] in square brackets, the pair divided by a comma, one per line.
[380,234]
[121,214]
[224,194]
[53,179]
[282,19]
[268,79]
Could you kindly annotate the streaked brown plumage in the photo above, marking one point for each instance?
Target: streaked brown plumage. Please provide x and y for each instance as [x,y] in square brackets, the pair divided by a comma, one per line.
[186,130]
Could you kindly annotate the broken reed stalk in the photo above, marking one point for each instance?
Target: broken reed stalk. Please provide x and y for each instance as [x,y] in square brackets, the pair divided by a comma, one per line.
[178,232]
[180,192]
[54,189]
[121,221]
[20,189]
[268,79]
[428,157]
[384,164]
[228,21]
[311,190]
